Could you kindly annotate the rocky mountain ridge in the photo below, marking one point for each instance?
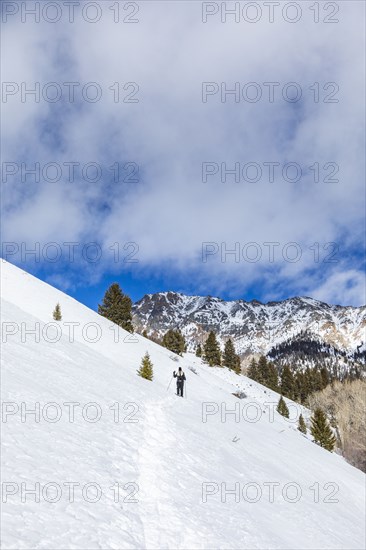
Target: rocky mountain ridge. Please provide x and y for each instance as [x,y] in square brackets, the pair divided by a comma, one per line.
[255,328]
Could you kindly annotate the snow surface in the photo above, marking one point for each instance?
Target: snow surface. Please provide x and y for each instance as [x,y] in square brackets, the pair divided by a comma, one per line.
[164,458]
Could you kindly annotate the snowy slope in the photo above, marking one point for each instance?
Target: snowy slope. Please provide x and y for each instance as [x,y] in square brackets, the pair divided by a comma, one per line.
[253,326]
[164,458]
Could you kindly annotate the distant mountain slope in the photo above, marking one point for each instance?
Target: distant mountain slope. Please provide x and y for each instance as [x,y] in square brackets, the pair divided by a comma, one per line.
[310,350]
[253,326]
[163,453]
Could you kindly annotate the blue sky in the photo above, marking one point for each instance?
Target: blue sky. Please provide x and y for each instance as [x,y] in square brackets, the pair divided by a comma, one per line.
[137,286]
[136,283]
[162,136]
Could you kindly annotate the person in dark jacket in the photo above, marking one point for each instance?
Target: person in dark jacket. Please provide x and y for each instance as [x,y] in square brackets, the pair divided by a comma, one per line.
[180,376]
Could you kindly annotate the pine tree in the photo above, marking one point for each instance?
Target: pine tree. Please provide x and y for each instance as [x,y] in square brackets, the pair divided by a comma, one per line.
[325,377]
[321,431]
[301,386]
[307,381]
[272,380]
[230,359]
[144,333]
[318,380]
[57,313]
[212,353]
[116,307]
[302,426]
[174,341]
[169,340]
[262,370]
[253,370]
[199,351]
[287,382]
[282,408]
[237,368]
[297,388]
[146,368]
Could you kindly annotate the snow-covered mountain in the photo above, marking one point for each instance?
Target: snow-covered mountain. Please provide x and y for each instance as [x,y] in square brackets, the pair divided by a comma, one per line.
[253,326]
[113,461]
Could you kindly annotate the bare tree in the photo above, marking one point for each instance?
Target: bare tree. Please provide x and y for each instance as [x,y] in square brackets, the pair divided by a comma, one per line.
[345,405]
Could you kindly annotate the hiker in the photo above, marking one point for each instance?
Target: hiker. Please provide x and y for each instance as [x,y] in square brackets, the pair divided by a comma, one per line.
[180,376]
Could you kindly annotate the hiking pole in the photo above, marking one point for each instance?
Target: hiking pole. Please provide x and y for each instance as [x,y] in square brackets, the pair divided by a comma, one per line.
[169,383]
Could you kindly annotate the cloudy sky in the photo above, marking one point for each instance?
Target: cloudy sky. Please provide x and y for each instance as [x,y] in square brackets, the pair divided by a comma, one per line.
[178,147]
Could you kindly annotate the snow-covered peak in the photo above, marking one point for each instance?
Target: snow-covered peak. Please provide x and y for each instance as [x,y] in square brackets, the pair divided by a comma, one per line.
[254,327]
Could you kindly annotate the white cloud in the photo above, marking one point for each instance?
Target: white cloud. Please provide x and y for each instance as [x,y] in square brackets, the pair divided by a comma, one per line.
[170,132]
[346,288]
